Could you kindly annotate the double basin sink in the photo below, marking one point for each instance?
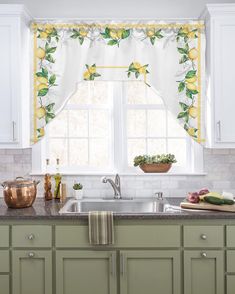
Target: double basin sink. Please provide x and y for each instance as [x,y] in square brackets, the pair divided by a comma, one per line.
[139,205]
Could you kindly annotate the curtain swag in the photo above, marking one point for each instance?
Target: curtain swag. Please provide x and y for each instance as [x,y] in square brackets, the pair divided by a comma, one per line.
[168,57]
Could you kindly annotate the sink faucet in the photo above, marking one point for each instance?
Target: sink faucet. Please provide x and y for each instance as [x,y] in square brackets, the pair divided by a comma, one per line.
[116,185]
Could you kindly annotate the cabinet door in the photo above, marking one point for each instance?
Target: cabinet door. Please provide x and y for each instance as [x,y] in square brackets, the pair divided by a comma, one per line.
[4,284]
[9,80]
[224,48]
[86,272]
[203,272]
[32,272]
[150,272]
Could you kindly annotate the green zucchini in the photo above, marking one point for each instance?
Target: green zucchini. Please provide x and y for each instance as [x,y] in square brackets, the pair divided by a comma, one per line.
[217,201]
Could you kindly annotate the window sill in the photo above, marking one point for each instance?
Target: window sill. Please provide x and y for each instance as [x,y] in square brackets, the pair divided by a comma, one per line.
[36,173]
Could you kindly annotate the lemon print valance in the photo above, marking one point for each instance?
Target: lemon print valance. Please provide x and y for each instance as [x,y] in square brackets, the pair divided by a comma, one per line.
[168,57]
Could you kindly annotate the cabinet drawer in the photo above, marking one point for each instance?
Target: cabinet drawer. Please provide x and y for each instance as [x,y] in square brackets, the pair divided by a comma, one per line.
[231,261]
[230,284]
[4,233]
[4,261]
[125,236]
[230,230]
[203,236]
[4,283]
[31,236]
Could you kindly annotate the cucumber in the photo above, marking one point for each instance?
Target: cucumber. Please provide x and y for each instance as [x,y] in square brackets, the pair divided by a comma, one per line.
[218,201]
[213,200]
[228,201]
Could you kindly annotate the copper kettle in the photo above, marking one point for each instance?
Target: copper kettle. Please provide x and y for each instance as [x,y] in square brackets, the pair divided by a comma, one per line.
[20,193]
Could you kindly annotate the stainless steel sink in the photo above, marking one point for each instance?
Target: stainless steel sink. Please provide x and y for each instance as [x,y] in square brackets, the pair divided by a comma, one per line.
[141,205]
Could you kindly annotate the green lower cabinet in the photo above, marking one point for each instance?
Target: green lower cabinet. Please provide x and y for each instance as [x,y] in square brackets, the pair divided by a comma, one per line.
[230,284]
[204,272]
[150,272]
[86,272]
[32,272]
[4,284]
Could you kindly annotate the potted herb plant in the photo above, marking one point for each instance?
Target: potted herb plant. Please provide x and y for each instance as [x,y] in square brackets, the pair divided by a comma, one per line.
[78,190]
[160,163]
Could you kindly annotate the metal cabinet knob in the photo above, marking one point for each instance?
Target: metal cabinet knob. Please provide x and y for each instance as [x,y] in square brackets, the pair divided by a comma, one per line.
[31,236]
[31,255]
[203,254]
[203,237]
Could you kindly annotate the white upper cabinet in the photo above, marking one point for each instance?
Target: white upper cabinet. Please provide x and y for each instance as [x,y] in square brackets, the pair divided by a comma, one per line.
[14,77]
[220,66]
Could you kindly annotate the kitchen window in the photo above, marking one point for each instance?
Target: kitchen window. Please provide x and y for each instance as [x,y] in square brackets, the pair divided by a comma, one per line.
[104,125]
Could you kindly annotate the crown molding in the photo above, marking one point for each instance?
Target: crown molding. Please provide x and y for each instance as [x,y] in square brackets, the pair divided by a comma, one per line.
[13,10]
[212,10]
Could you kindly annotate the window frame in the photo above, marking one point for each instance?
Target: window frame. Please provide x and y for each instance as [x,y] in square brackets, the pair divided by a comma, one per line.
[118,144]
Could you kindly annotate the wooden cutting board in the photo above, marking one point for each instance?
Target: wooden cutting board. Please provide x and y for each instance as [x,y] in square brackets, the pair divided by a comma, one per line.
[207,206]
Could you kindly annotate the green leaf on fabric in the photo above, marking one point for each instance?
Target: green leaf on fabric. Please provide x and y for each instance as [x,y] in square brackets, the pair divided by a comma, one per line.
[183,59]
[107,31]
[184,106]
[125,34]
[182,50]
[112,42]
[189,94]
[158,34]
[190,74]
[51,50]
[50,107]
[182,115]
[152,40]
[45,72]
[105,36]
[50,58]
[52,80]
[181,86]
[81,40]
[43,92]
[194,92]
[96,75]
[137,74]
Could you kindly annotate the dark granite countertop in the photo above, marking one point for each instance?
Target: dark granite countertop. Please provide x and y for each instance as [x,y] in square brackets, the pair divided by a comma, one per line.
[49,210]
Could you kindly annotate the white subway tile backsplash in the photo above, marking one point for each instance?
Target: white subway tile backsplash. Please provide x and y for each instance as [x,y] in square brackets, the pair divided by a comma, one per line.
[219,168]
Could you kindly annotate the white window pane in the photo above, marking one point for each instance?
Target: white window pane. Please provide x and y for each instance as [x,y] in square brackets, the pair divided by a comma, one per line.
[178,148]
[99,92]
[58,126]
[99,123]
[156,146]
[136,92]
[99,152]
[174,128]
[58,148]
[135,147]
[136,123]
[157,123]
[78,152]
[78,123]
[152,97]
[82,94]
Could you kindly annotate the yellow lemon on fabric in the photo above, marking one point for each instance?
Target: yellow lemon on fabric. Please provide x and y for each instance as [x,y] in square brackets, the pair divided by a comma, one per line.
[185,31]
[42,86]
[83,33]
[42,80]
[192,35]
[191,131]
[191,86]
[142,70]
[40,53]
[119,34]
[40,112]
[92,69]
[150,33]
[193,111]
[193,54]
[113,34]
[41,132]
[191,80]
[43,35]
[86,75]
[49,28]
[136,65]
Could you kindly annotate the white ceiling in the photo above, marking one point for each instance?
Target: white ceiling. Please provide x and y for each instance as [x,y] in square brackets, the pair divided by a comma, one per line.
[111,9]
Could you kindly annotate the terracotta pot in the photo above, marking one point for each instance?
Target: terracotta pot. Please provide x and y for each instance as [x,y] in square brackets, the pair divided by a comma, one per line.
[156,167]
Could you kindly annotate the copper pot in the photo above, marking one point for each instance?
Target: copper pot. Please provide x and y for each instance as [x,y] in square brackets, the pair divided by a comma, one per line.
[156,167]
[20,193]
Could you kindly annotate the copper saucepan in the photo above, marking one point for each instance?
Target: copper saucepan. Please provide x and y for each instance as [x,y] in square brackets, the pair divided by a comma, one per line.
[20,193]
